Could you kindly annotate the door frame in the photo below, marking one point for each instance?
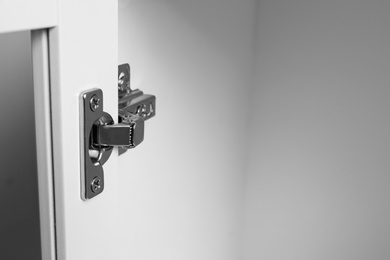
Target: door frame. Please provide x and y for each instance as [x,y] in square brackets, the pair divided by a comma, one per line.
[74,49]
[43,129]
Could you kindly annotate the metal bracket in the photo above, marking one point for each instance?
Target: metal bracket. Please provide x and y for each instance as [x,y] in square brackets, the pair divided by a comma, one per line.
[132,102]
[92,157]
[99,134]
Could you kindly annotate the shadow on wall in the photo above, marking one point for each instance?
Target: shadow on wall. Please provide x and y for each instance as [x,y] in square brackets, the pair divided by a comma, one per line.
[318,180]
[19,218]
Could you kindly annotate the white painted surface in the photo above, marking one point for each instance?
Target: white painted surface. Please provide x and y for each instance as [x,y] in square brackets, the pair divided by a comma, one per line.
[83,56]
[318,182]
[18,15]
[44,154]
[178,195]
[180,190]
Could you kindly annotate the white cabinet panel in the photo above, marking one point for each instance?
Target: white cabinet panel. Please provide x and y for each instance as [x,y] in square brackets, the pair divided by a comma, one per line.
[268,105]
[83,55]
[18,15]
[180,190]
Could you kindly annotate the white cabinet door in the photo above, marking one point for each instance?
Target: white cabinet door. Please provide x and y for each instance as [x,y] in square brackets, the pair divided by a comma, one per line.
[177,195]
[83,55]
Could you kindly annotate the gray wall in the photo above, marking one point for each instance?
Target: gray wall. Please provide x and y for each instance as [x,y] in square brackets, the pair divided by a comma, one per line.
[19,213]
[318,180]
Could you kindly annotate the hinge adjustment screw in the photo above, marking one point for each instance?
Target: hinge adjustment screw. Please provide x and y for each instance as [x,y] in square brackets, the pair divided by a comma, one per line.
[94,102]
[96,184]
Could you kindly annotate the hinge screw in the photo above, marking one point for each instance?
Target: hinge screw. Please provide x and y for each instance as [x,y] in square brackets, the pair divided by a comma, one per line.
[96,184]
[94,102]
[121,80]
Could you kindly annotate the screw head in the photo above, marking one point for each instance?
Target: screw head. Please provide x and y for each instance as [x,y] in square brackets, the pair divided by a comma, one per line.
[94,102]
[121,80]
[96,184]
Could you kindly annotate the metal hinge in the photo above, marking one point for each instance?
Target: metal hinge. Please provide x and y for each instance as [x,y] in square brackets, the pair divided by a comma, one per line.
[100,134]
